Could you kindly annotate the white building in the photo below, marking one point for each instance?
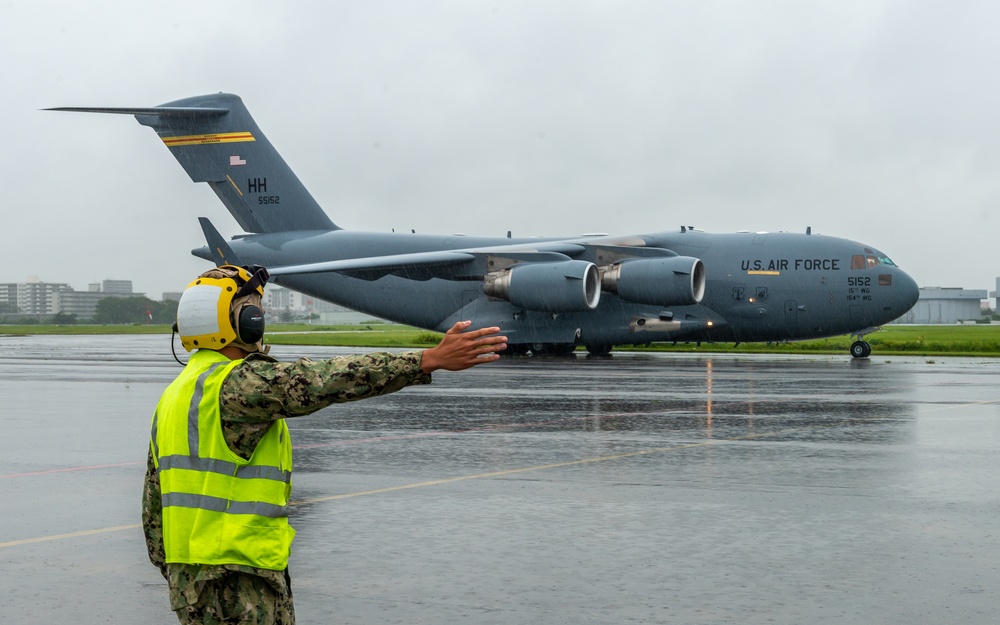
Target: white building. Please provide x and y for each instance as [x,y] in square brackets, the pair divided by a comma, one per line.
[39,298]
[996,297]
[35,297]
[121,287]
[279,299]
[83,304]
[8,297]
[945,305]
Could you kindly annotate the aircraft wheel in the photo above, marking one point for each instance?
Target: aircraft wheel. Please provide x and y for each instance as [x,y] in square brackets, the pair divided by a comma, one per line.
[861,349]
[561,349]
[599,350]
[552,349]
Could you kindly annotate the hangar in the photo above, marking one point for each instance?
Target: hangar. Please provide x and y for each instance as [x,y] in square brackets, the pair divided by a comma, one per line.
[946,305]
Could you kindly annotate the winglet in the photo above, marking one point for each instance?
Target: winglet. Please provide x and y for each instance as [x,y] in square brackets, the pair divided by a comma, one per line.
[221,253]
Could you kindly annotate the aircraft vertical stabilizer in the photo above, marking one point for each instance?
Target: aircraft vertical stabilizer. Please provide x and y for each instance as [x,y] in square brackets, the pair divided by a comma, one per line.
[215,140]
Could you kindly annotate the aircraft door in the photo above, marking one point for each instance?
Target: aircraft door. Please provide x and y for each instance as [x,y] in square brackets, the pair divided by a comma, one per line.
[791,312]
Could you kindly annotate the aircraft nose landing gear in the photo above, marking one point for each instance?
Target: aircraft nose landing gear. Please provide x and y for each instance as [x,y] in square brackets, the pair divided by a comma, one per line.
[861,349]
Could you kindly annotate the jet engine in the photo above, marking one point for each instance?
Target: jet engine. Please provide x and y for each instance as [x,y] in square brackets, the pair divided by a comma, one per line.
[670,281]
[568,286]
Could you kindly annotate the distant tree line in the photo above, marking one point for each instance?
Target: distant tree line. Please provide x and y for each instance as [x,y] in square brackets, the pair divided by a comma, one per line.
[110,311]
[141,310]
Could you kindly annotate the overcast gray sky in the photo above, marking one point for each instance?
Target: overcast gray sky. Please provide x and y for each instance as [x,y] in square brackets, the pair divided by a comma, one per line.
[871,120]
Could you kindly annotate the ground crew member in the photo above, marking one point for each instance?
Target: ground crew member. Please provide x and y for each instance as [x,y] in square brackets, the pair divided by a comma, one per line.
[215,498]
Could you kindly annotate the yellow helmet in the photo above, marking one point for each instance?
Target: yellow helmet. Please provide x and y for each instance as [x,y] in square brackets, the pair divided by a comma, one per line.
[222,307]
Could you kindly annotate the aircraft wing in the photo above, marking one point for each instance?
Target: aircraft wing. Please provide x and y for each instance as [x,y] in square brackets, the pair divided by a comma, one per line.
[474,263]
[460,264]
[419,266]
[370,268]
[446,264]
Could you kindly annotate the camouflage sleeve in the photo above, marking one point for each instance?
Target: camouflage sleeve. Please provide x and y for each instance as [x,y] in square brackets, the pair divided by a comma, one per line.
[152,516]
[262,390]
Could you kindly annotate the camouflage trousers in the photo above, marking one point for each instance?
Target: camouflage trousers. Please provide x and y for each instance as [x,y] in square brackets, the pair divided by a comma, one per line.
[240,599]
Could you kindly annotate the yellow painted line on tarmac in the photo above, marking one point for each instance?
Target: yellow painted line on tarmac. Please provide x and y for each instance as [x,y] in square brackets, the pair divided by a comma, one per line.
[389,489]
[43,539]
[542,467]
[480,476]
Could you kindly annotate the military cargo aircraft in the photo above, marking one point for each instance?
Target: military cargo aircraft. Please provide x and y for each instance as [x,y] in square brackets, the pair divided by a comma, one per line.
[548,295]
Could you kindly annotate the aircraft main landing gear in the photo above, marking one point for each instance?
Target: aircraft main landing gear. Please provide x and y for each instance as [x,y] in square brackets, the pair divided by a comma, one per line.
[861,349]
[561,350]
[599,350]
[516,349]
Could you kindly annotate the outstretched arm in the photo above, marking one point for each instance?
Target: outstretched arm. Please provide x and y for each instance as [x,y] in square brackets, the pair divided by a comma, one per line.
[460,350]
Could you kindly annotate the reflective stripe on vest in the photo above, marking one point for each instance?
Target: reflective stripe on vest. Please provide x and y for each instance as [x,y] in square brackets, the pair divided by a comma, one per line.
[218,508]
[224,467]
[217,504]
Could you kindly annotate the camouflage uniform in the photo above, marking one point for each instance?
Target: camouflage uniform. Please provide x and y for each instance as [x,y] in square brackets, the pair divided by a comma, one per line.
[255,394]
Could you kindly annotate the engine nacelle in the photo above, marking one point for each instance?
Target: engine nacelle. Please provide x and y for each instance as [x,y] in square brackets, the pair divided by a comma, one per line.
[670,281]
[569,286]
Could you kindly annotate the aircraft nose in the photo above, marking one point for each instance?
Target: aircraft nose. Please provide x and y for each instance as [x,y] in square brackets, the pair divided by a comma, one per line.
[907,293]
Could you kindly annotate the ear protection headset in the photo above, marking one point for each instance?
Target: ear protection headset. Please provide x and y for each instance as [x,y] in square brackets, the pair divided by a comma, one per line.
[250,324]
[222,307]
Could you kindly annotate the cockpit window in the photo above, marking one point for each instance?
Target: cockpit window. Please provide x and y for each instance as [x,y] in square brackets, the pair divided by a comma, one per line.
[869,261]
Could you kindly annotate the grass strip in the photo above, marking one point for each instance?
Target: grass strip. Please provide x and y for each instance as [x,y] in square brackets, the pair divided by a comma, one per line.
[930,340]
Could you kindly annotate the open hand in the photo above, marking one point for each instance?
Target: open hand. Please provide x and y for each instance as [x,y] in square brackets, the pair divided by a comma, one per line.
[460,350]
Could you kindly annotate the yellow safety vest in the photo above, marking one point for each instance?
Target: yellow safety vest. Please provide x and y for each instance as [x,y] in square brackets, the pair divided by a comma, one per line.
[217,507]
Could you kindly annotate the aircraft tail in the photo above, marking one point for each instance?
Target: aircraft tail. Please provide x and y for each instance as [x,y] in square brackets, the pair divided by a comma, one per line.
[215,140]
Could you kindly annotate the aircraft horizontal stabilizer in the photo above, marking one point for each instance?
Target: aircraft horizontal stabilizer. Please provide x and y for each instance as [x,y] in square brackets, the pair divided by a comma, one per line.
[164,111]
[222,254]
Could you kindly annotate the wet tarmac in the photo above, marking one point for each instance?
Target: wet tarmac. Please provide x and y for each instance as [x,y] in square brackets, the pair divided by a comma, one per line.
[635,489]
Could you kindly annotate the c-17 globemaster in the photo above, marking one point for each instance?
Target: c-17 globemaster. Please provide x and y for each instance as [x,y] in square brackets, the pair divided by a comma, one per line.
[548,295]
